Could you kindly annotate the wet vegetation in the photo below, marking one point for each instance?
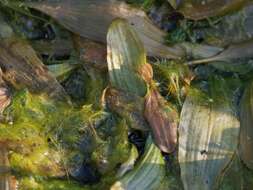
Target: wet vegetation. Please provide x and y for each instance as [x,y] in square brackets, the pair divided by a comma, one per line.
[126,94]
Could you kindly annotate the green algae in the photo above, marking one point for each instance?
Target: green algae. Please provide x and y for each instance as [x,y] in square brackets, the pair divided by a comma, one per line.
[237,176]
[43,135]
[33,183]
[174,78]
[114,150]
[36,127]
[85,86]
[216,91]
[96,83]
[44,139]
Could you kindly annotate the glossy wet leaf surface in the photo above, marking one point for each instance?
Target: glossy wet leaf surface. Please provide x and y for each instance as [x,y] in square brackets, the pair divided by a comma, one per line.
[208,138]
[91,91]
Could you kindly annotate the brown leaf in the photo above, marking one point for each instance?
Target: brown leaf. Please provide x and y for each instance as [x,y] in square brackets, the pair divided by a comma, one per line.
[91,52]
[92,18]
[7,181]
[197,10]
[241,50]
[56,48]
[162,120]
[5,98]
[146,72]
[127,105]
[5,95]
[23,69]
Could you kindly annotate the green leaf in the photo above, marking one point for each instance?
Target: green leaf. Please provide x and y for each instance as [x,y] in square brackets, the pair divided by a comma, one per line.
[125,56]
[208,136]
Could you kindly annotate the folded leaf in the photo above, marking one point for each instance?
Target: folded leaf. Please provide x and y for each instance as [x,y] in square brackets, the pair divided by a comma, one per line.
[163,121]
[237,176]
[147,174]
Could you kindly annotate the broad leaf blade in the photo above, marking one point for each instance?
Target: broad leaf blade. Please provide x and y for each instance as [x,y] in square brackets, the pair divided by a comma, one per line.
[79,17]
[208,137]
[125,56]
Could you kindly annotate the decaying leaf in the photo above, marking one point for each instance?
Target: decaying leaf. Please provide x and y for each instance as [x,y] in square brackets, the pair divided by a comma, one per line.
[128,106]
[163,121]
[5,95]
[246,133]
[7,181]
[55,48]
[146,72]
[230,29]
[237,51]
[130,73]
[22,68]
[79,17]
[208,137]
[5,98]
[200,51]
[147,174]
[199,9]
[91,52]
[236,58]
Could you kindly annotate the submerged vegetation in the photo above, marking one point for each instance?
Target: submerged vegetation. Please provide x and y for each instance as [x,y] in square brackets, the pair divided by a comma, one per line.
[126,94]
